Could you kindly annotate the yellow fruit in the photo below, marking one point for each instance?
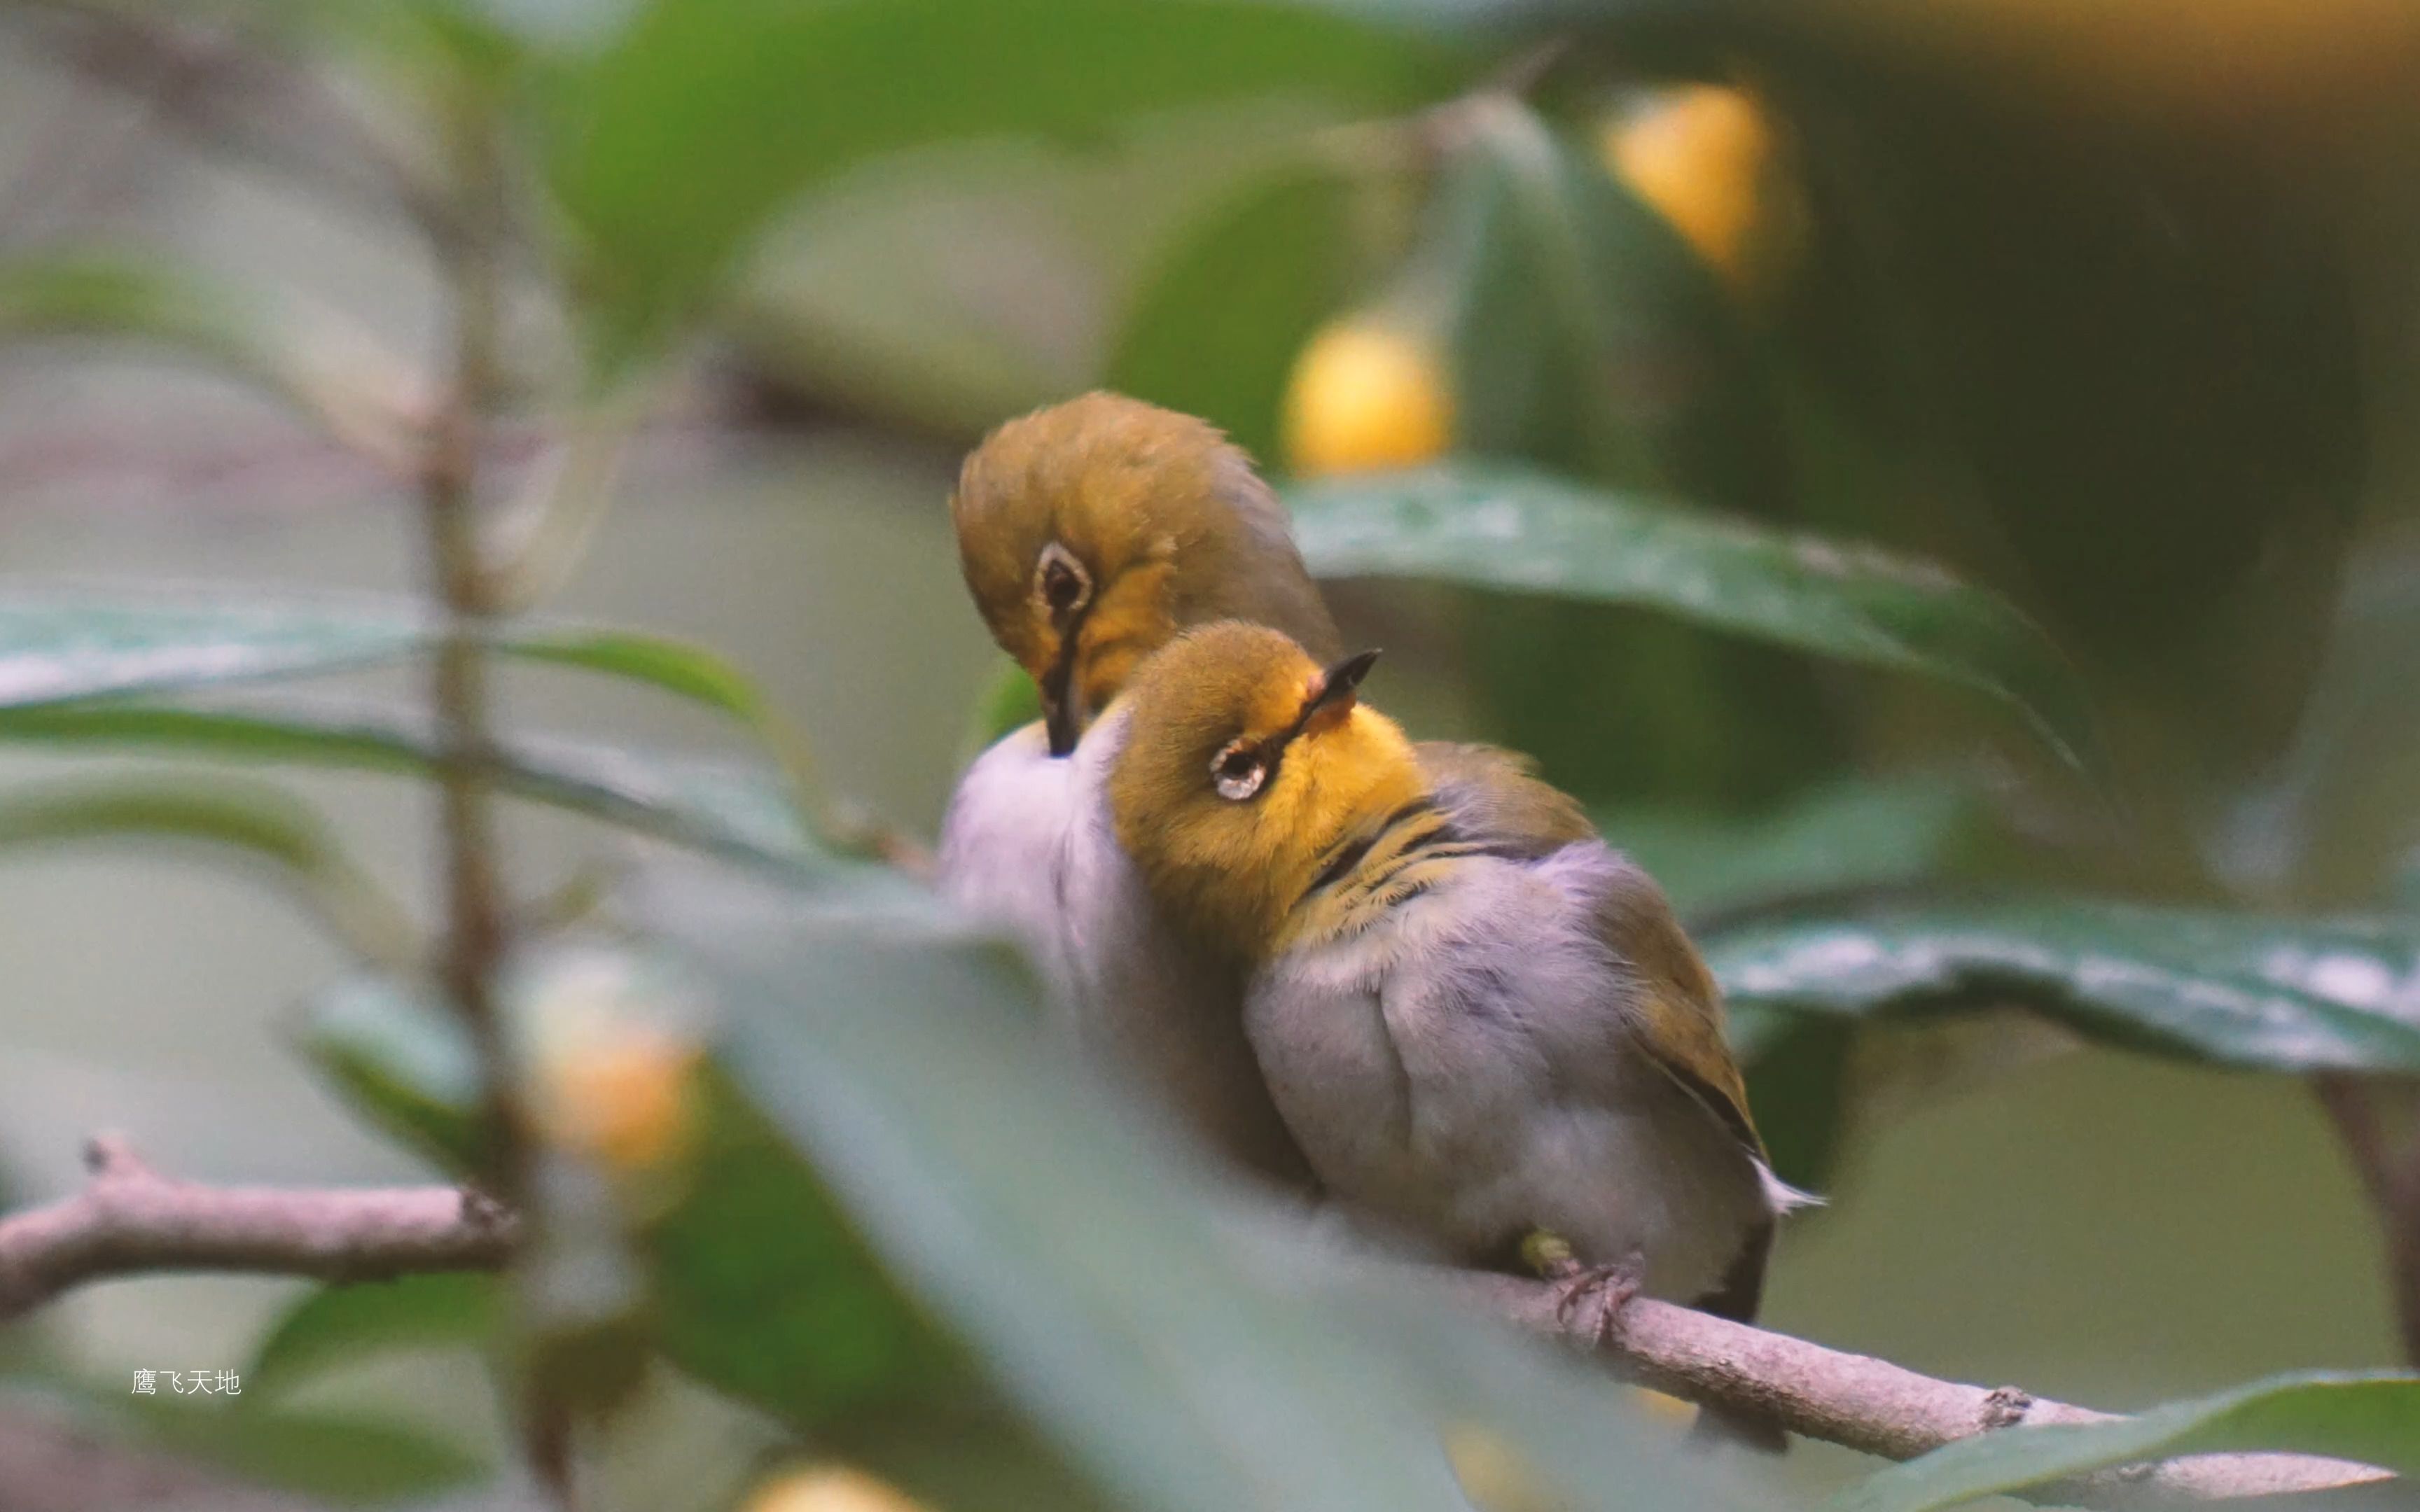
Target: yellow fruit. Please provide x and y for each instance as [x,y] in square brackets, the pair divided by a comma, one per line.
[1493,1475]
[1363,396]
[622,1097]
[828,1489]
[1708,158]
[1656,1406]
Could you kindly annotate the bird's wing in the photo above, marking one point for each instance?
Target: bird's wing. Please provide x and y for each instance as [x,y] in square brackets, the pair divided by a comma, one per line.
[1680,1009]
[1495,795]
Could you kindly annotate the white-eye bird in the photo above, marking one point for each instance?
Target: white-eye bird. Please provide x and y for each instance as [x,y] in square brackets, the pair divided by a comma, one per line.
[1090,533]
[1482,1025]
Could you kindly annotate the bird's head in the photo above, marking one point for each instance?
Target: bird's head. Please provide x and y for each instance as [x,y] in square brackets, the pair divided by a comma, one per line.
[1094,530]
[1245,765]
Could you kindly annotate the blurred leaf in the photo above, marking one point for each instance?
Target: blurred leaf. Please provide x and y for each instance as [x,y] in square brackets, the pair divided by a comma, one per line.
[760,1287]
[764,1290]
[1853,833]
[58,644]
[1009,702]
[1215,331]
[1586,334]
[2270,994]
[2373,1419]
[725,809]
[311,361]
[402,1061]
[338,1457]
[1507,528]
[706,117]
[1187,1366]
[252,821]
[337,1326]
[343,1459]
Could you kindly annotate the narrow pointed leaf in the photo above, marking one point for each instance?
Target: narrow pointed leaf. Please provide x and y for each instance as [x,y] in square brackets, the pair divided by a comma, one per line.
[722,808]
[1505,527]
[2371,1419]
[2234,989]
[251,822]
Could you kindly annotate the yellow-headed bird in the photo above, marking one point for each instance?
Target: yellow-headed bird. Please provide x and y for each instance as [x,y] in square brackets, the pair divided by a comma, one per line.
[1090,533]
[1482,1025]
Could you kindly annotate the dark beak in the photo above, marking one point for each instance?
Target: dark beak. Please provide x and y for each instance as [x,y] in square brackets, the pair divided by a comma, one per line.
[1063,701]
[1335,696]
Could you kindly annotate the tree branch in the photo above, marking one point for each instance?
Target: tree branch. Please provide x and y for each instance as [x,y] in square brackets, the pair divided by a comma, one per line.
[130,1220]
[2390,1171]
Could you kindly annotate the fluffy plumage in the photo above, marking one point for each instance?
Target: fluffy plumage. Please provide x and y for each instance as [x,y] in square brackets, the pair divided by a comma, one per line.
[1090,533]
[1153,522]
[1477,1019]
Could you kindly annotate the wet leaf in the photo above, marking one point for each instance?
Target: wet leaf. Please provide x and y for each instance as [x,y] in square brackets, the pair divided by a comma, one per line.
[1504,526]
[2236,989]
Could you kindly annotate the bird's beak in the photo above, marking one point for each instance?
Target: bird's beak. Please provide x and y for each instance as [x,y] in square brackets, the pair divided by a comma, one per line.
[1334,700]
[1063,699]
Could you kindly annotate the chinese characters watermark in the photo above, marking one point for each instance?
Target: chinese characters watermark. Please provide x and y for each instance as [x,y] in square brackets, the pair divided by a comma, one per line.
[190,1382]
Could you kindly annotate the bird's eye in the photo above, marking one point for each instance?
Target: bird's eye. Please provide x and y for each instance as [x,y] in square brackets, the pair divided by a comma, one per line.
[1063,582]
[1238,771]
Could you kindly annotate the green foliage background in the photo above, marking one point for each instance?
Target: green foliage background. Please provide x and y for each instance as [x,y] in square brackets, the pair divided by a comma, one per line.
[1994,638]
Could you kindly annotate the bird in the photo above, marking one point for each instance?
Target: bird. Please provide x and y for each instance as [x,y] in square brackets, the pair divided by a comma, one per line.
[1484,1027]
[1090,533]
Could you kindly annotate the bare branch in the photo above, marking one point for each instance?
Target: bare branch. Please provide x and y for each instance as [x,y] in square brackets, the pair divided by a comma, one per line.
[130,1220]
[1875,1406]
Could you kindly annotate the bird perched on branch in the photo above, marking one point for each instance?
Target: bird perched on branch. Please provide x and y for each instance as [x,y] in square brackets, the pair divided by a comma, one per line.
[1482,1025]
[1090,533]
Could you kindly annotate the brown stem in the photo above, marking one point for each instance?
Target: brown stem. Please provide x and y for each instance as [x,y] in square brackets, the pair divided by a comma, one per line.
[129,1219]
[2390,1172]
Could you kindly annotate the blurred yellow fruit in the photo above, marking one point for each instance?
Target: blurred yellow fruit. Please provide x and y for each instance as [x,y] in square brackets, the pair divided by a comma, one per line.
[1708,158]
[1658,1408]
[1493,1474]
[1365,396]
[828,1489]
[622,1097]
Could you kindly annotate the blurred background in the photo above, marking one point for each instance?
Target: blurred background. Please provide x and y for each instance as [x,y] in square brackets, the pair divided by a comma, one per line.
[2110,308]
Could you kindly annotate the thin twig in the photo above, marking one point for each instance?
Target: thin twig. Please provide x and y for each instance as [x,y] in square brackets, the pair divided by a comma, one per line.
[130,1220]
[2390,1172]
[1873,1405]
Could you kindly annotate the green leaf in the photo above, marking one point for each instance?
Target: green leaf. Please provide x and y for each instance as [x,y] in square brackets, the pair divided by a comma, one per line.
[1215,331]
[760,1286]
[250,821]
[2246,990]
[707,116]
[340,1457]
[337,1326]
[720,807]
[1508,528]
[60,645]
[2373,1419]
[1847,834]
[322,1454]
[1185,1355]
[322,369]
[764,1290]
[1009,702]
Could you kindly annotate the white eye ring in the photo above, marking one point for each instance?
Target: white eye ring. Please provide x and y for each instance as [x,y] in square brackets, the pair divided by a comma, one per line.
[1237,785]
[1057,564]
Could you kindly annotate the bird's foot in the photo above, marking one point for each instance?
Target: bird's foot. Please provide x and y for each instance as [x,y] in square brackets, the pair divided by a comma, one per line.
[1588,1298]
